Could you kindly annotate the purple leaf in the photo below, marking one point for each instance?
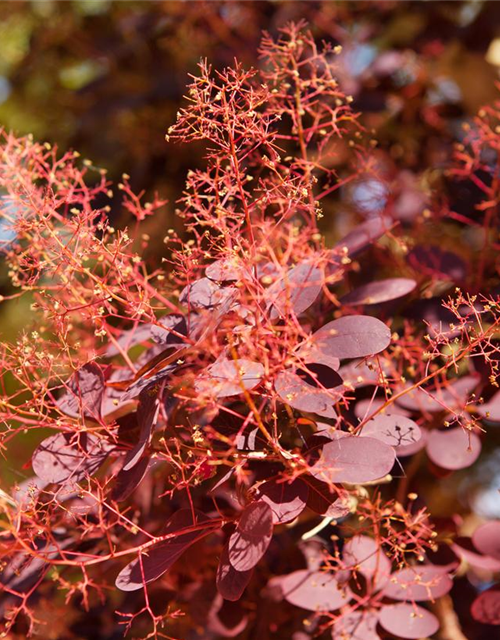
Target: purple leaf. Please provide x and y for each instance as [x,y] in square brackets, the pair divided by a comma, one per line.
[296,291]
[206,294]
[365,408]
[315,591]
[84,393]
[354,460]
[453,448]
[230,377]
[365,555]
[465,549]
[361,373]
[352,337]
[424,582]
[127,481]
[395,430]
[433,261]
[363,235]
[226,270]
[172,329]
[286,499]
[322,497]
[253,534]
[455,395]
[491,409]
[160,557]
[358,625]
[380,291]
[408,621]
[486,607]
[486,539]
[63,457]
[148,411]
[292,389]
[230,582]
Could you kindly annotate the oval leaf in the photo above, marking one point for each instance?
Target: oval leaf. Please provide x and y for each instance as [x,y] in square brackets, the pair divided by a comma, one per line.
[486,607]
[296,292]
[227,378]
[395,430]
[352,337]
[253,534]
[365,555]
[425,582]
[160,557]
[486,539]
[230,582]
[354,460]
[64,457]
[380,291]
[286,499]
[408,621]
[358,625]
[315,591]
[453,448]
[293,390]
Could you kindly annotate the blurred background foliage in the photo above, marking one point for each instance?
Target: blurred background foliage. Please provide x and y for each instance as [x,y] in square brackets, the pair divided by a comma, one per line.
[107,78]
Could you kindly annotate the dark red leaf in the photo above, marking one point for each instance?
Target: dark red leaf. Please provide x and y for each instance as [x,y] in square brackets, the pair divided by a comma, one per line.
[486,607]
[84,393]
[147,415]
[433,261]
[227,378]
[358,625]
[286,499]
[253,534]
[160,557]
[486,539]
[127,481]
[453,448]
[352,337]
[424,582]
[408,621]
[354,460]
[380,291]
[395,430]
[230,582]
[314,590]
[302,396]
[296,291]
[365,555]
[464,548]
[65,457]
[363,235]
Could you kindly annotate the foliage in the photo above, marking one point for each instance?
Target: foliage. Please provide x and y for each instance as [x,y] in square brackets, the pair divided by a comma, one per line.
[246,437]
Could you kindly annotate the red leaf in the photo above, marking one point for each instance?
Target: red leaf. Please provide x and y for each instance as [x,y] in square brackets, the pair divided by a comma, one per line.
[408,621]
[395,430]
[486,539]
[354,460]
[160,557]
[286,499]
[253,534]
[424,582]
[296,292]
[64,457]
[380,291]
[84,393]
[230,582]
[365,555]
[227,378]
[453,448]
[302,396]
[315,591]
[358,625]
[352,337]
[486,607]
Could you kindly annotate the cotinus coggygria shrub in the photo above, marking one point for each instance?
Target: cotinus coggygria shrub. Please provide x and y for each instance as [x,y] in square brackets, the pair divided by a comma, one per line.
[247,437]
